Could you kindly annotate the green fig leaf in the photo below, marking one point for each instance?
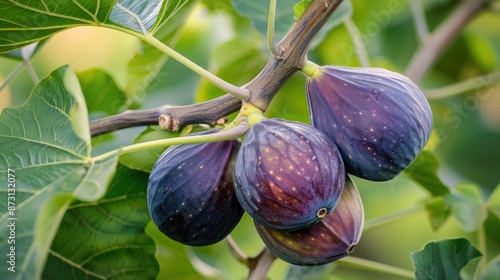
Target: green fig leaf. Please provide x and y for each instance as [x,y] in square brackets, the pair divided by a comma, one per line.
[492,270]
[469,271]
[443,259]
[145,160]
[170,252]
[438,211]
[424,170]
[467,206]
[25,22]
[46,154]
[102,95]
[106,239]
[299,8]
[139,16]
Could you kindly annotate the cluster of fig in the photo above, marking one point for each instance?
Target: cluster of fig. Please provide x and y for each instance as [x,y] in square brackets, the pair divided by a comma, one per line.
[293,179]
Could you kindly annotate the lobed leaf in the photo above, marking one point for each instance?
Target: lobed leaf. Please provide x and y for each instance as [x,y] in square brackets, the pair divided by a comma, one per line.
[443,259]
[106,239]
[467,206]
[24,22]
[46,146]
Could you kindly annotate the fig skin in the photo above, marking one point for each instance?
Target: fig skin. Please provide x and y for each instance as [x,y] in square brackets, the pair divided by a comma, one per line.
[379,119]
[288,175]
[190,192]
[333,238]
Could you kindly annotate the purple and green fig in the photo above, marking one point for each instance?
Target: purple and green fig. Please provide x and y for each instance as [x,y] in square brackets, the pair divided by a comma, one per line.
[379,120]
[190,192]
[333,238]
[288,175]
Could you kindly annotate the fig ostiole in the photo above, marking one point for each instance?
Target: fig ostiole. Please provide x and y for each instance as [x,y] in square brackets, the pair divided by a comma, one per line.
[288,175]
[190,192]
[379,120]
[333,238]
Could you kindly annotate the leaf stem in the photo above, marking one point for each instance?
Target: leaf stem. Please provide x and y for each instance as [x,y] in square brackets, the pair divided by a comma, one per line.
[481,240]
[358,263]
[224,135]
[238,92]
[392,217]
[464,86]
[271,39]
[358,42]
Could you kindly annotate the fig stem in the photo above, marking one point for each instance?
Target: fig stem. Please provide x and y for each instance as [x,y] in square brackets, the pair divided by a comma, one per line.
[238,92]
[271,39]
[369,265]
[224,135]
[260,265]
[238,254]
[310,69]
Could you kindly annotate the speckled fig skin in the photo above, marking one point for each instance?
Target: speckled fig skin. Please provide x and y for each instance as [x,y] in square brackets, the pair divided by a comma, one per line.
[379,119]
[190,192]
[333,238]
[287,175]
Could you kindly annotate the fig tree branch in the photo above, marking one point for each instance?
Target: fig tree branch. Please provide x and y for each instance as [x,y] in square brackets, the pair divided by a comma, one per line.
[263,87]
[434,44]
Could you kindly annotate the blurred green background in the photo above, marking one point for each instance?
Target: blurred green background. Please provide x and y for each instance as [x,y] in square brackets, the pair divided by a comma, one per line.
[467,125]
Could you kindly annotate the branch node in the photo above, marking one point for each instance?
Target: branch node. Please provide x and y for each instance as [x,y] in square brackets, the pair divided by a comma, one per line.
[222,120]
[167,122]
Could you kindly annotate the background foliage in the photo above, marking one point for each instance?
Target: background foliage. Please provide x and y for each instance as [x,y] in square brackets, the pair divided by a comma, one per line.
[81,215]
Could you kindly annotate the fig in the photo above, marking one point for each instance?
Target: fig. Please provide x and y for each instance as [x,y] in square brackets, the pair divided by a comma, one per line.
[333,238]
[379,119]
[287,175]
[190,192]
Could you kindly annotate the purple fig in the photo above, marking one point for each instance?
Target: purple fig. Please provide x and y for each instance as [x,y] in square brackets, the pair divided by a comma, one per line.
[190,192]
[288,175]
[334,237]
[379,119]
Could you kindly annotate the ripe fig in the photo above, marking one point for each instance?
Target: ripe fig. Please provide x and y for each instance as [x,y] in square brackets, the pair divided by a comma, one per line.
[190,192]
[333,238]
[379,119]
[288,175]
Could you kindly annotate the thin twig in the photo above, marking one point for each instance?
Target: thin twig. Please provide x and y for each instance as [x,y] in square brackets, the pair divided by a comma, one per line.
[11,76]
[419,18]
[437,42]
